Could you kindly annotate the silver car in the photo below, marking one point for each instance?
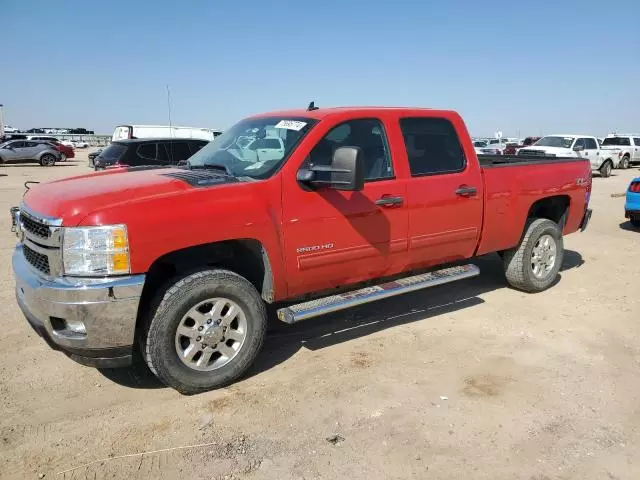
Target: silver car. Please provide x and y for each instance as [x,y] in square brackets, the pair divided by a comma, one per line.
[29,151]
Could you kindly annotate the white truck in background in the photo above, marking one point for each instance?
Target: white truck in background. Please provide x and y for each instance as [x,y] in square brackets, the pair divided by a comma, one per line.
[572,145]
[123,132]
[625,145]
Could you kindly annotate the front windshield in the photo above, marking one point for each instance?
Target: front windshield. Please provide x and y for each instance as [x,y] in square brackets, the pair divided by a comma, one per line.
[619,141]
[561,142]
[479,143]
[255,147]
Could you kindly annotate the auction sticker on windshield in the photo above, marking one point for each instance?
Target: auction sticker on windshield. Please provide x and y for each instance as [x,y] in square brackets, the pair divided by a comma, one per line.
[291,125]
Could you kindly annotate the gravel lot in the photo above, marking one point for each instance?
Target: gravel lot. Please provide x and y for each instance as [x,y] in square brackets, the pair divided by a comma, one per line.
[468,381]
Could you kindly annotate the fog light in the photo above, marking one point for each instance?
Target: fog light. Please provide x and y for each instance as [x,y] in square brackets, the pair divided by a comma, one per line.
[76,326]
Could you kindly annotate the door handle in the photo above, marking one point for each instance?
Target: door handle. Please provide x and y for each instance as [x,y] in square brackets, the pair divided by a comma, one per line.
[389,201]
[465,191]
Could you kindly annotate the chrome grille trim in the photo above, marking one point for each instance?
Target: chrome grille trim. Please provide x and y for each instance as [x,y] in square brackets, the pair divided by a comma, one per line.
[49,246]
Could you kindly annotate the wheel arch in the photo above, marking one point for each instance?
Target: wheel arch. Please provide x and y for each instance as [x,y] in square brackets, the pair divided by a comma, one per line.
[555,208]
[246,257]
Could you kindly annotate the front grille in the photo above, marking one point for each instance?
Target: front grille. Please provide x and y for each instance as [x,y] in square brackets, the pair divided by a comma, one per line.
[534,153]
[34,227]
[37,260]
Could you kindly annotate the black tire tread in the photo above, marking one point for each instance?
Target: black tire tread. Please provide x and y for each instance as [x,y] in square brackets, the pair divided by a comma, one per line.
[183,287]
[517,269]
[603,169]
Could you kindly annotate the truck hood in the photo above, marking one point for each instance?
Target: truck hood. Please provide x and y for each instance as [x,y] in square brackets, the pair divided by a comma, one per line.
[72,199]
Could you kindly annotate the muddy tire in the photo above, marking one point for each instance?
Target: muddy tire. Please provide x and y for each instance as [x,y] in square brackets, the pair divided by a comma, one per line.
[606,168]
[534,264]
[625,163]
[206,332]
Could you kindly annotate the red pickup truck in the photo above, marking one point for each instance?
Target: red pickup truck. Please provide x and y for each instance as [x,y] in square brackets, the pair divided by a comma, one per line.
[323,209]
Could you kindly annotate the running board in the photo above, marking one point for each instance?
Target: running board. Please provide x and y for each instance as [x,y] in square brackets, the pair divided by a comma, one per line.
[322,306]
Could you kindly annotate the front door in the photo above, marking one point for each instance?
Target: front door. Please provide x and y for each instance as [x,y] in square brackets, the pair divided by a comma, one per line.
[14,151]
[444,193]
[591,151]
[335,238]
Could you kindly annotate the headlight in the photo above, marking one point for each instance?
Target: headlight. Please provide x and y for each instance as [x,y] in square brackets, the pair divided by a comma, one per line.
[96,251]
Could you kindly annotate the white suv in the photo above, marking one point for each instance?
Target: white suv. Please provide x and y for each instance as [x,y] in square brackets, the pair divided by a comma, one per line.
[627,147]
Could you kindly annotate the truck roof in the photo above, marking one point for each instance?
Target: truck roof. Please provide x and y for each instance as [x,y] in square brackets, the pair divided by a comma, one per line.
[570,135]
[321,113]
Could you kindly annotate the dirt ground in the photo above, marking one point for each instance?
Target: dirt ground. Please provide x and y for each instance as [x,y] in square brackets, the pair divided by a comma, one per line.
[467,381]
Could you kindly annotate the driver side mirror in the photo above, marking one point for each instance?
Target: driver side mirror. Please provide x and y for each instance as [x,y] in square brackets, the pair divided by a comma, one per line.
[578,148]
[346,171]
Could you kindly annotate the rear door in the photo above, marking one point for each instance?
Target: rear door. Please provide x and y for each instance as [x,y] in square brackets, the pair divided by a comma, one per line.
[592,150]
[636,149]
[31,148]
[444,194]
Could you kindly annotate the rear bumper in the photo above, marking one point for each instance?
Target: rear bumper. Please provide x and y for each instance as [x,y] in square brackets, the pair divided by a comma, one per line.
[106,308]
[585,220]
[632,205]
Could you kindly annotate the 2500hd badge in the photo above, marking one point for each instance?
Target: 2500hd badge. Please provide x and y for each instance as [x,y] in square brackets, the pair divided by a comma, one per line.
[314,248]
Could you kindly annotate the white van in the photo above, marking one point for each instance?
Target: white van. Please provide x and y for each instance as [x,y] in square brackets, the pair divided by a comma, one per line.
[163,131]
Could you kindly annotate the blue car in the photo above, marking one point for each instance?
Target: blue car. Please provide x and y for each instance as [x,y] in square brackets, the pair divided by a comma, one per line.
[632,205]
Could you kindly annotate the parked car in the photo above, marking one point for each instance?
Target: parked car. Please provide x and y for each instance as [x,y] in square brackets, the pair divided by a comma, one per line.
[632,204]
[10,129]
[478,145]
[572,145]
[183,261]
[124,132]
[494,147]
[153,152]
[512,149]
[43,138]
[80,144]
[627,147]
[66,152]
[92,156]
[29,151]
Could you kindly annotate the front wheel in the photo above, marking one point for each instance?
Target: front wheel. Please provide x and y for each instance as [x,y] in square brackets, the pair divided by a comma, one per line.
[47,160]
[605,169]
[534,264]
[206,332]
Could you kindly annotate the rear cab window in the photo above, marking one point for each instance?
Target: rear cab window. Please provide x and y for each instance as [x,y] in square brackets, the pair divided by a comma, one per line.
[147,151]
[432,145]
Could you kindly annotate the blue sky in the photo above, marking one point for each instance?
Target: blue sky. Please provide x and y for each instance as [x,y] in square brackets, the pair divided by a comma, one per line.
[528,67]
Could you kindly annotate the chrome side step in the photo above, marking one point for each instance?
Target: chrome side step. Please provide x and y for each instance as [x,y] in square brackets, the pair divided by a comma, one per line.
[322,306]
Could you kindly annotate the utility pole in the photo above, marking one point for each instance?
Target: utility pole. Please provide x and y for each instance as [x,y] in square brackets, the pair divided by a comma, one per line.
[1,121]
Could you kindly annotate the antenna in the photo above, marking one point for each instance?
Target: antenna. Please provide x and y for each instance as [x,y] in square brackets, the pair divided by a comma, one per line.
[169,109]
[170,124]
[312,107]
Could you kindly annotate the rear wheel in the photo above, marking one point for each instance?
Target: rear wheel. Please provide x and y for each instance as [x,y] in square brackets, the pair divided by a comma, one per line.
[47,160]
[624,163]
[206,332]
[534,264]
[605,169]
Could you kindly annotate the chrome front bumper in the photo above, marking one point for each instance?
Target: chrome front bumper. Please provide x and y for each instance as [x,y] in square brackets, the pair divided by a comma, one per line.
[107,309]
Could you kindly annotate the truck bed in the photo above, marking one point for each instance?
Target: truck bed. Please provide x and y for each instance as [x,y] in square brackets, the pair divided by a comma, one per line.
[488,161]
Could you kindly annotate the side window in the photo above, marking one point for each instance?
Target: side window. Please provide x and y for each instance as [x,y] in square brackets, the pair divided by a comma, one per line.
[178,151]
[591,144]
[432,146]
[31,144]
[369,135]
[636,141]
[147,151]
[580,143]
[195,146]
[18,144]
[163,152]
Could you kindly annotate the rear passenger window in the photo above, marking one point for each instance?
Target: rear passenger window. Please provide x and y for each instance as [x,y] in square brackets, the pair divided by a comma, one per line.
[580,143]
[178,151]
[147,151]
[432,146]
[163,148]
[637,142]
[590,144]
